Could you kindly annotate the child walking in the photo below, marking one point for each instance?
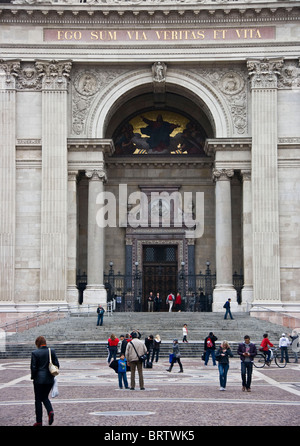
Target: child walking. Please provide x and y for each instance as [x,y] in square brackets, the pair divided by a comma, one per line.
[184,333]
[122,368]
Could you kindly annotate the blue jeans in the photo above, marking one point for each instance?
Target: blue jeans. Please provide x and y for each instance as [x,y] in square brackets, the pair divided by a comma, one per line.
[223,370]
[100,319]
[123,378]
[210,351]
[246,372]
[228,312]
[112,353]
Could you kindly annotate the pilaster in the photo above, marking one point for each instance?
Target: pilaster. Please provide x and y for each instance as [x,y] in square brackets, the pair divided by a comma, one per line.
[265,214]
[54,208]
[8,72]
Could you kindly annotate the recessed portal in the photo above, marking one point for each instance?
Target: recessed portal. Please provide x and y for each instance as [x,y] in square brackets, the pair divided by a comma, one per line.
[160,272]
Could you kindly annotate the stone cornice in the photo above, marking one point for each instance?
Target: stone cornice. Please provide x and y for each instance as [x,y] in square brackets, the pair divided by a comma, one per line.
[227,144]
[142,14]
[157,162]
[91,145]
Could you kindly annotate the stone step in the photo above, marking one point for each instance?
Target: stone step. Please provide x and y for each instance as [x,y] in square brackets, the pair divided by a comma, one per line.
[78,336]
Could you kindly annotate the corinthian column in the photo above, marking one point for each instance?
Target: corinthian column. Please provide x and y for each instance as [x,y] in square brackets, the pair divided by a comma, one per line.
[8,71]
[224,288]
[265,215]
[95,292]
[54,207]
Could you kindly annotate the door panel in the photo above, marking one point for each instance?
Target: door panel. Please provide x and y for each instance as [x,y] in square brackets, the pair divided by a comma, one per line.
[159,272]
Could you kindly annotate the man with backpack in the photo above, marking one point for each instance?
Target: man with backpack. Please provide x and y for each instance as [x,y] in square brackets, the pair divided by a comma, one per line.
[209,348]
[227,307]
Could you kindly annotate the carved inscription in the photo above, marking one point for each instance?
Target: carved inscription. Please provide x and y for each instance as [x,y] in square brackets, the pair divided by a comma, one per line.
[148,35]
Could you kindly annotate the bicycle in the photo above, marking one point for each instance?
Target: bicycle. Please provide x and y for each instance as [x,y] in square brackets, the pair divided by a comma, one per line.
[260,359]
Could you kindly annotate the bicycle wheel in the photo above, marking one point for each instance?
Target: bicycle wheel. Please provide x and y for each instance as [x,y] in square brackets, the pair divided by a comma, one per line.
[259,361]
[278,361]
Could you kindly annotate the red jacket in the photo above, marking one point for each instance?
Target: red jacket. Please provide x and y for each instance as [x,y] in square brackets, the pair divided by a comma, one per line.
[113,343]
[264,344]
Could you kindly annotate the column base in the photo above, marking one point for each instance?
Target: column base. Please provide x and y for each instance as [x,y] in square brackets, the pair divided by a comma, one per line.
[95,295]
[247,297]
[221,294]
[72,295]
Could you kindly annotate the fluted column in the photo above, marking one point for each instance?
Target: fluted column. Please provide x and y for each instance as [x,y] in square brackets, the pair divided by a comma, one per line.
[247,290]
[95,292]
[54,207]
[72,295]
[224,288]
[265,212]
[8,71]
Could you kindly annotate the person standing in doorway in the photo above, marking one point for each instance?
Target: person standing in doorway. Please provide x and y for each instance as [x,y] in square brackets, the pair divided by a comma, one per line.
[247,351]
[42,379]
[157,302]
[170,301]
[178,302]
[150,301]
[228,310]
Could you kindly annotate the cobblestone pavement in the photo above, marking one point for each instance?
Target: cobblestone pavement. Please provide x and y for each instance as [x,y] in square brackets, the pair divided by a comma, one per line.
[89,395]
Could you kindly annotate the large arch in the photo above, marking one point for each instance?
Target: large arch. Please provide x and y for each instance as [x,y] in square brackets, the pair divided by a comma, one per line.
[190,85]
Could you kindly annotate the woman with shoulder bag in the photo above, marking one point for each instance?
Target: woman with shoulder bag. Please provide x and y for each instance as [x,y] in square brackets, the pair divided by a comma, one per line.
[43,380]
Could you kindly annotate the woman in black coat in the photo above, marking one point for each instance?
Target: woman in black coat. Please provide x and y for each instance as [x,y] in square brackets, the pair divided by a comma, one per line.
[42,379]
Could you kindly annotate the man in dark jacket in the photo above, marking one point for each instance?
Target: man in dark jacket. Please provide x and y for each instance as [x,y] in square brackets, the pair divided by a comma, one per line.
[210,347]
[42,379]
[247,351]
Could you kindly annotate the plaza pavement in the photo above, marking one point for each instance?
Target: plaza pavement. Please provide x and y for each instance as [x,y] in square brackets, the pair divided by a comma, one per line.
[89,396]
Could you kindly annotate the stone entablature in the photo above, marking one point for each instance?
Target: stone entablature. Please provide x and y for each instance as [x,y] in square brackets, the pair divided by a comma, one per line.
[25,11]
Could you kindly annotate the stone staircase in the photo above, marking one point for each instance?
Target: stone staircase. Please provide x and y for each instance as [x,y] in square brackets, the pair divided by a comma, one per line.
[77,335]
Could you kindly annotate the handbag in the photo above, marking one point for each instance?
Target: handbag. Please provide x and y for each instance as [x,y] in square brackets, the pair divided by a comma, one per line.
[141,358]
[54,392]
[52,368]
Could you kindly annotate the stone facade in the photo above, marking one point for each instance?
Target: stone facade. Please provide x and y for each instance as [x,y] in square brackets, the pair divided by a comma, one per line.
[71,74]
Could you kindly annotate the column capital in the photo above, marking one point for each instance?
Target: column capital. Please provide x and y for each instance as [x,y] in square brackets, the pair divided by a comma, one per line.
[246,175]
[72,175]
[264,72]
[96,174]
[222,174]
[55,74]
[11,70]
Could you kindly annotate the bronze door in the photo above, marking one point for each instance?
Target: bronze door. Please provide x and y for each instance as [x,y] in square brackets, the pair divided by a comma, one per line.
[160,271]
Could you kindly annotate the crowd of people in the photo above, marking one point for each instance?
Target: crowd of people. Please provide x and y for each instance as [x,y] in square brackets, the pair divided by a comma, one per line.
[130,352]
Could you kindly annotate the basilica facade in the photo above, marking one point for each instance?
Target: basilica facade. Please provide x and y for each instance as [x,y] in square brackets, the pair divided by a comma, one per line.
[151,140]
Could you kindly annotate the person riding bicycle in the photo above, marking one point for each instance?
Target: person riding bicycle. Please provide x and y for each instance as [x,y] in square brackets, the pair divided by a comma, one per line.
[265,349]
